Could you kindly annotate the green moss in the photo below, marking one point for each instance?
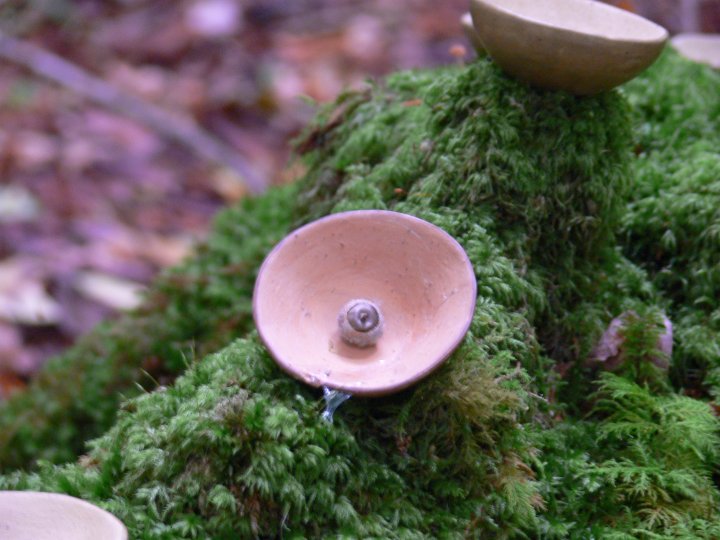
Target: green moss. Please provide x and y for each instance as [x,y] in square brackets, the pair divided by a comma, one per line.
[672,226]
[642,469]
[515,436]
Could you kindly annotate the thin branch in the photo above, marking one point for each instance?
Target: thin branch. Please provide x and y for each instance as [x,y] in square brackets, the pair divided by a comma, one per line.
[178,127]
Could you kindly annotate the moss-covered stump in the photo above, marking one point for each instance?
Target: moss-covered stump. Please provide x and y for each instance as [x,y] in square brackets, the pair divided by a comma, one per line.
[572,210]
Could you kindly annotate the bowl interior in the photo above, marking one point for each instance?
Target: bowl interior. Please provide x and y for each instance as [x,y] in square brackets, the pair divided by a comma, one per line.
[418,276]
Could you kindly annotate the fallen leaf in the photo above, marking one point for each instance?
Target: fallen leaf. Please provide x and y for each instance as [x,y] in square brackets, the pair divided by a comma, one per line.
[146,81]
[17,204]
[33,150]
[228,184]
[10,384]
[364,39]
[166,250]
[609,351]
[10,346]
[109,290]
[213,18]
[23,298]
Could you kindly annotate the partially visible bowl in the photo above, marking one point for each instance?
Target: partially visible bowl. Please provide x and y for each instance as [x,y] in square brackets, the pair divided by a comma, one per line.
[581,46]
[467,25]
[30,515]
[703,48]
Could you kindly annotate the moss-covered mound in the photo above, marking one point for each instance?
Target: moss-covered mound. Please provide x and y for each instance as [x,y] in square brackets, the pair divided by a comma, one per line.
[572,210]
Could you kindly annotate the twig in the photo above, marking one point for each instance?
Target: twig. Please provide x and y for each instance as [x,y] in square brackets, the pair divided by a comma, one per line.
[172,125]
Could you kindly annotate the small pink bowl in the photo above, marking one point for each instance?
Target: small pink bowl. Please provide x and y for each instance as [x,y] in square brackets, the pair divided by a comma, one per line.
[30,515]
[418,276]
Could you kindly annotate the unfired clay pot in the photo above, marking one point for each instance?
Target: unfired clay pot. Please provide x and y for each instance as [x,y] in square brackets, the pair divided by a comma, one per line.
[467,25]
[417,277]
[703,48]
[581,46]
[28,515]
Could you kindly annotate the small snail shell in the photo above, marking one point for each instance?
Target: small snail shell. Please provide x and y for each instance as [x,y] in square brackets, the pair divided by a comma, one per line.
[361,323]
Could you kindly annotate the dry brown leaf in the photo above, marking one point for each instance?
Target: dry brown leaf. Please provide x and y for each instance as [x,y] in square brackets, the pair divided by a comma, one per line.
[213,18]
[33,150]
[10,384]
[17,204]
[228,184]
[23,298]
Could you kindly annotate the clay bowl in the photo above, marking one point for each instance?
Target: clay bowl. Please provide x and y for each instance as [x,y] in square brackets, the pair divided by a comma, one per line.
[418,277]
[471,35]
[28,515]
[581,46]
[702,48]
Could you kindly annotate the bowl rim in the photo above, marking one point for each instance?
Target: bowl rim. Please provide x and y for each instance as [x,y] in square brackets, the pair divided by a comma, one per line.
[502,7]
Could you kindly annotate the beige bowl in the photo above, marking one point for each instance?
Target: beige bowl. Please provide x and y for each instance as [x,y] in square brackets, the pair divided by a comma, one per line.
[417,275]
[472,36]
[581,46]
[703,48]
[28,515]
